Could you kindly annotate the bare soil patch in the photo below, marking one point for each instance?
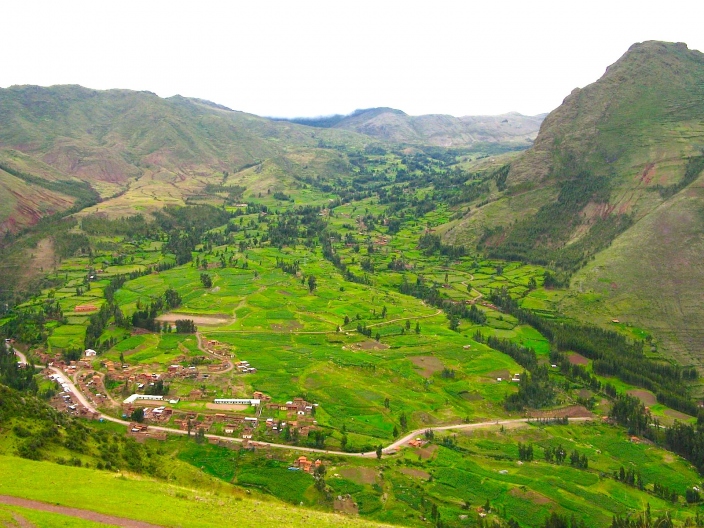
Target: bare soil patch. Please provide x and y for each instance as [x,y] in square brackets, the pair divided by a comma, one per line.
[585,393]
[225,407]
[207,320]
[283,292]
[428,365]
[75,512]
[22,522]
[426,452]
[287,326]
[470,396]
[503,374]
[647,397]
[578,359]
[37,260]
[532,496]
[370,345]
[360,475]
[573,411]
[346,505]
[417,473]
[677,415]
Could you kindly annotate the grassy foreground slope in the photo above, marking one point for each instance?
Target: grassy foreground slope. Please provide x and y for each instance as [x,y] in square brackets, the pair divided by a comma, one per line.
[148,500]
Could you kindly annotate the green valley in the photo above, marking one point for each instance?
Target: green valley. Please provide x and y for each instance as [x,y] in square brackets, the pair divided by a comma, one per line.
[359,320]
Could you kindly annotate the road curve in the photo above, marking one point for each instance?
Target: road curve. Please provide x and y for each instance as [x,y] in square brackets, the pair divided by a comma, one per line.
[391,448]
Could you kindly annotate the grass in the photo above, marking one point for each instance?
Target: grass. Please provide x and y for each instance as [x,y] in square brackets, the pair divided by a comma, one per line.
[149,500]
[41,519]
[482,466]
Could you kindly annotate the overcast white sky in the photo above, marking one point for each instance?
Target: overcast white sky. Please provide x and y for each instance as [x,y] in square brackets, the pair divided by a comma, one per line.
[309,58]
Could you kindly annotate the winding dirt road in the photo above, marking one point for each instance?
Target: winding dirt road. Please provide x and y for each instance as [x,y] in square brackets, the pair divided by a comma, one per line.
[370,454]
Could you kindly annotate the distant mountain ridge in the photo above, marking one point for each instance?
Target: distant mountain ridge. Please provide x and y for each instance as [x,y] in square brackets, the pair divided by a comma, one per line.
[121,141]
[395,126]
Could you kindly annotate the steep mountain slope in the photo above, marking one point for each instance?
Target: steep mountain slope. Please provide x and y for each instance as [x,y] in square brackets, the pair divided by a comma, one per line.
[395,126]
[642,118]
[620,160]
[111,139]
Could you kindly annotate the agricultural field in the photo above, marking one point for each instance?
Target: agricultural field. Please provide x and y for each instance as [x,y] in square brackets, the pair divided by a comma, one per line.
[355,324]
[457,474]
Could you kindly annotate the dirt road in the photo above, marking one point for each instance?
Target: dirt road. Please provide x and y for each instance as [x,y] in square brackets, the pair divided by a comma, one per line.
[370,454]
[88,515]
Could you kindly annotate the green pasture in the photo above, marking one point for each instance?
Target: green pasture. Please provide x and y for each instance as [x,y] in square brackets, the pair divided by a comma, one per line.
[150,500]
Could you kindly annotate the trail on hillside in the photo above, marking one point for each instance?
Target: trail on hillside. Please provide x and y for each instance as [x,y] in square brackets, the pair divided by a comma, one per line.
[88,515]
[230,364]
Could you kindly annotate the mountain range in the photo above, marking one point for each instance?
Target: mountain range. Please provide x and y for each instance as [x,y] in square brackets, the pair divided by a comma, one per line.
[609,194]
[395,126]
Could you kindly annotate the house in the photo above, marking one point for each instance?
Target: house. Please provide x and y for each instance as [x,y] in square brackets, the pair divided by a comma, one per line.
[247,433]
[303,463]
[230,428]
[90,352]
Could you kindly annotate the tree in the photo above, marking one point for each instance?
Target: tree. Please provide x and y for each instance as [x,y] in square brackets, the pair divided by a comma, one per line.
[137,415]
[417,327]
[403,421]
[200,435]
[383,312]
[343,442]
[378,452]
[408,325]
[173,299]
[312,283]
[206,280]
[395,431]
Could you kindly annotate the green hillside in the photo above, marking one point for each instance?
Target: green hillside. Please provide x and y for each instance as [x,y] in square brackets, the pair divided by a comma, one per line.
[620,160]
[134,149]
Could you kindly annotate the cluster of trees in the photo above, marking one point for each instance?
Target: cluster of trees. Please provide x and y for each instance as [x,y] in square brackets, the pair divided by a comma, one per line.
[12,375]
[431,243]
[630,477]
[330,255]
[612,354]
[292,268]
[431,295]
[206,280]
[645,520]
[534,391]
[145,316]
[185,227]
[666,493]
[185,326]
[525,452]
[159,388]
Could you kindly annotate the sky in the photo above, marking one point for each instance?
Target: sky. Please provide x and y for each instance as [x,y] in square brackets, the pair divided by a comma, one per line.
[311,58]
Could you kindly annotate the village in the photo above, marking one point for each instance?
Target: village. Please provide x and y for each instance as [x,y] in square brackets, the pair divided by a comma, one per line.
[147,398]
